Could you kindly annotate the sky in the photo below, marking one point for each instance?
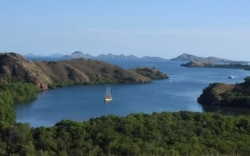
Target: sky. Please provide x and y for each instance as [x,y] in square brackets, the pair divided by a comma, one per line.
[163,28]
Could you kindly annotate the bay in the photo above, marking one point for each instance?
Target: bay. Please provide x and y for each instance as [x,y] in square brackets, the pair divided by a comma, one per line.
[80,103]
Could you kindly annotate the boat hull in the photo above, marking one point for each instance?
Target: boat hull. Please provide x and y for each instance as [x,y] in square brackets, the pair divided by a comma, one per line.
[107,99]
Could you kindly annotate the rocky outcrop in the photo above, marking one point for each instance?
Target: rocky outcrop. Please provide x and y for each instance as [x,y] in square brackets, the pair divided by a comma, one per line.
[220,94]
[213,94]
[14,67]
[42,86]
[47,74]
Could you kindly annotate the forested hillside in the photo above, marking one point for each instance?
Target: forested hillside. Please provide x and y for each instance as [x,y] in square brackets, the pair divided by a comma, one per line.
[14,93]
[182,133]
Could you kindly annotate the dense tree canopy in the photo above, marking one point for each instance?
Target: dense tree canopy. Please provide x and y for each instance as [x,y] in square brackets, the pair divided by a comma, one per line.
[181,133]
[12,93]
[166,133]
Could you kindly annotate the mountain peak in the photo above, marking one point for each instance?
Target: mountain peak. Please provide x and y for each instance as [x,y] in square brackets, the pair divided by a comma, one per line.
[79,54]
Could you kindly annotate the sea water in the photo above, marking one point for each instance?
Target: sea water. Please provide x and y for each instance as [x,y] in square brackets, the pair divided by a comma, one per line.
[80,103]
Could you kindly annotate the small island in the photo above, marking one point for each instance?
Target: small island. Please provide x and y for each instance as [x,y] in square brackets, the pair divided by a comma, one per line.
[213,65]
[210,62]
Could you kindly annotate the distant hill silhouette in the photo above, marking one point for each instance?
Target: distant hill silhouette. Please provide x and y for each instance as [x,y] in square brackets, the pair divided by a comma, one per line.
[80,54]
[189,57]
[234,65]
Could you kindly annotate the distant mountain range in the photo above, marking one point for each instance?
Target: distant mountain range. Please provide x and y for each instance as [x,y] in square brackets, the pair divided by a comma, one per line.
[79,54]
[105,57]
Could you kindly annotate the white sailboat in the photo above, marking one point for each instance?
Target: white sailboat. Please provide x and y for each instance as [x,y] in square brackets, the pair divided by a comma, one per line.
[108,96]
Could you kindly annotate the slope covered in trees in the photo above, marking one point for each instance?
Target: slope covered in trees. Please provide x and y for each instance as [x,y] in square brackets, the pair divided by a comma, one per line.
[182,133]
[13,93]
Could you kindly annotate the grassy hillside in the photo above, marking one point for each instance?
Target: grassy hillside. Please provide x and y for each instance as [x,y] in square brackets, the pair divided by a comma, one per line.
[45,74]
[221,94]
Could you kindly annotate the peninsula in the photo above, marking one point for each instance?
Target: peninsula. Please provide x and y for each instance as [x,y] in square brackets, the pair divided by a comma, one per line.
[51,74]
[221,94]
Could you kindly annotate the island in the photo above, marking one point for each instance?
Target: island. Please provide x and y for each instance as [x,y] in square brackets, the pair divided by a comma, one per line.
[210,62]
[189,57]
[214,65]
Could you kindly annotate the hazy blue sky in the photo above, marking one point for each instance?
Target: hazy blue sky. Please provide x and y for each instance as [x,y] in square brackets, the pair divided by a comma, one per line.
[164,28]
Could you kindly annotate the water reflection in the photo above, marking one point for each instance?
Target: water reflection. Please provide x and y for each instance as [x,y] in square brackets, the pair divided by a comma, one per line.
[226,110]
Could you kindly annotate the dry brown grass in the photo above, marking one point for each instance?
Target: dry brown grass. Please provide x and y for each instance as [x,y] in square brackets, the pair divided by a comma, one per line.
[68,72]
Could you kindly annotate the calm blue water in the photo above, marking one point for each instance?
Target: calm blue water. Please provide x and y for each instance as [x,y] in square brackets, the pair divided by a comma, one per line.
[81,103]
